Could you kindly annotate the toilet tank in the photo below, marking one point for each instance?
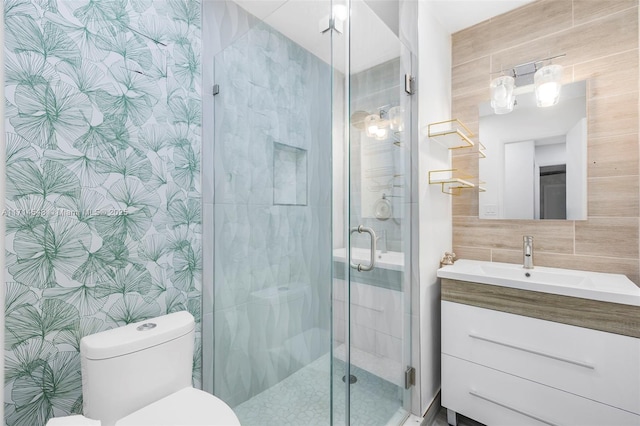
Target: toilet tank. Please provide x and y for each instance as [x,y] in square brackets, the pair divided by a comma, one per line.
[129,367]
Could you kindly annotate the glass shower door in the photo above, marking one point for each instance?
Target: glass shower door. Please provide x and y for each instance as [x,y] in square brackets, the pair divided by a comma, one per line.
[372,300]
[271,209]
[298,336]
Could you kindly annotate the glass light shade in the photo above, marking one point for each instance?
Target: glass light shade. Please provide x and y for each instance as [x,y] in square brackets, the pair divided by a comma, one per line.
[371,125]
[502,97]
[548,81]
[382,134]
[396,119]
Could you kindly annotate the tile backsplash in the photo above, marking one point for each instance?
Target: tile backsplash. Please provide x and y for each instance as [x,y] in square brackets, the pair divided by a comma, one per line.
[600,40]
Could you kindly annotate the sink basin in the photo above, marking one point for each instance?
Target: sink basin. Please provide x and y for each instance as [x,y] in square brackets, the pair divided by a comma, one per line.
[614,288]
[546,277]
[390,260]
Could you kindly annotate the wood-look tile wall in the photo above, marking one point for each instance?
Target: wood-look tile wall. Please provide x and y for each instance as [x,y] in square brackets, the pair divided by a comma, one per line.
[600,40]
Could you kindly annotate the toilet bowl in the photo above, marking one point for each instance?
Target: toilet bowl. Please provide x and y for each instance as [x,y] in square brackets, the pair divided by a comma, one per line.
[140,374]
[73,421]
[187,407]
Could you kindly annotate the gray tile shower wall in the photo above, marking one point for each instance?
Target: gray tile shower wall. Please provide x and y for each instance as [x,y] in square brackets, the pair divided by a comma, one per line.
[272,270]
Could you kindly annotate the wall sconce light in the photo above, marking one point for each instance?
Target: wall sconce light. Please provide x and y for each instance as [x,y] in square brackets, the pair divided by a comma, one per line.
[396,118]
[371,125]
[548,82]
[502,96]
[378,125]
[545,80]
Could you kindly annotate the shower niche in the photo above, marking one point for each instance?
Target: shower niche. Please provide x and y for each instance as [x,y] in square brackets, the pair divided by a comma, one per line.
[289,175]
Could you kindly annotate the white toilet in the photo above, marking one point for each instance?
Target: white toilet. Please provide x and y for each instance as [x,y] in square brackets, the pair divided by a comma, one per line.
[140,374]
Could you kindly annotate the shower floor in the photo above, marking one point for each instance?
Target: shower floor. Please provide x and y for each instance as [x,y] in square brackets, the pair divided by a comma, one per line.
[304,399]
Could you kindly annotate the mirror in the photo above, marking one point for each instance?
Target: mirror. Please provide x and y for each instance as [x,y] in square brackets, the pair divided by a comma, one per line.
[536,165]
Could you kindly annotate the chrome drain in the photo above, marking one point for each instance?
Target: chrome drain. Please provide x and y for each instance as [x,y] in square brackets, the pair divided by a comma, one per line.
[352,379]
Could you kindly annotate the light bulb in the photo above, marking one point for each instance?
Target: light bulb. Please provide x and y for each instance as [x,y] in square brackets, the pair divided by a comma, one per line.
[548,82]
[547,94]
[500,95]
[382,133]
[371,125]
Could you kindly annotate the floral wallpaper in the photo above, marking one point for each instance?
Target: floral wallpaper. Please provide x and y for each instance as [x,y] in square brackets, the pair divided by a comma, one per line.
[103,213]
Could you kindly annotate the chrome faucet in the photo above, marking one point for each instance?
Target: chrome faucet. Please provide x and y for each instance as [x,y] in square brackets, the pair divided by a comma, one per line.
[527,251]
[383,241]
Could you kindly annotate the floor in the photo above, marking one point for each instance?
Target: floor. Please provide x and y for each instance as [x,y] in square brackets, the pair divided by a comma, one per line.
[441,419]
[385,368]
[374,401]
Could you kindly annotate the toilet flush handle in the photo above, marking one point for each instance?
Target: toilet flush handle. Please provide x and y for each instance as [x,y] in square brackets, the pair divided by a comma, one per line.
[146,326]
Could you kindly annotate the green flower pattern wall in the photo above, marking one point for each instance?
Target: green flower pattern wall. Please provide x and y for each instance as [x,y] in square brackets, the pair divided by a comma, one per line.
[103,184]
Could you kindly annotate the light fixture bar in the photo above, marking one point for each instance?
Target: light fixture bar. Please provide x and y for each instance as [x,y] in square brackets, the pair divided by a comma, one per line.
[546,80]
[526,64]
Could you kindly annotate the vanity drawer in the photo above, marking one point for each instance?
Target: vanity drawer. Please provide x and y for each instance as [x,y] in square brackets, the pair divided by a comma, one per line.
[601,366]
[495,398]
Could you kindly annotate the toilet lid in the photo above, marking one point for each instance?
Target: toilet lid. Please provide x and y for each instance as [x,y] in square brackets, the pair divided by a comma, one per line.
[188,407]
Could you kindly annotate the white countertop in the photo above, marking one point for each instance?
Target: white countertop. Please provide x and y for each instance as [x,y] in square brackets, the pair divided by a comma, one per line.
[614,288]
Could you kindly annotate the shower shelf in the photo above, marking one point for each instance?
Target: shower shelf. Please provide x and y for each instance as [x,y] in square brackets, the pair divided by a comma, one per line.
[451,134]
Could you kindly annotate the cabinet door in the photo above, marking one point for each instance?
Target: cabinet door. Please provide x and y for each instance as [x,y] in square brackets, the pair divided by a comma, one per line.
[601,366]
[495,398]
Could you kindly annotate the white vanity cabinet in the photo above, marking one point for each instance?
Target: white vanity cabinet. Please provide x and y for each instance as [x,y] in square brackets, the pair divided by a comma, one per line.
[505,369]
[542,346]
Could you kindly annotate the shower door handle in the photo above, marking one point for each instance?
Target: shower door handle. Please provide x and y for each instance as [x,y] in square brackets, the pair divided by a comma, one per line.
[372,262]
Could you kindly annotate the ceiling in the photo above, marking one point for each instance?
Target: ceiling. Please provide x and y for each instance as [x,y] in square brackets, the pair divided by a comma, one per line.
[456,15]
[372,41]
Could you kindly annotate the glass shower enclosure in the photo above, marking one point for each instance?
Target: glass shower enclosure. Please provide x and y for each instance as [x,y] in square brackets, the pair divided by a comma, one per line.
[306,213]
